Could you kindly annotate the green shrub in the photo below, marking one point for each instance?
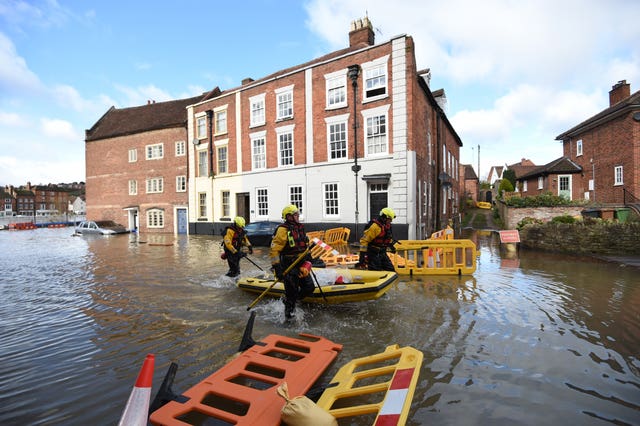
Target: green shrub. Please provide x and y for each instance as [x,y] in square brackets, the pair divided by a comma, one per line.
[546,199]
[505,186]
[528,221]
[564,219]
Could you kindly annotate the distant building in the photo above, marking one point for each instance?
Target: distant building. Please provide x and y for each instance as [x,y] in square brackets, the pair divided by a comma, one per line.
[606,147]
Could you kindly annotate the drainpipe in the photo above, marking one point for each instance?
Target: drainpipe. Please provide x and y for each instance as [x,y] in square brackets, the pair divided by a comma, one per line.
[210,124]
[439,164]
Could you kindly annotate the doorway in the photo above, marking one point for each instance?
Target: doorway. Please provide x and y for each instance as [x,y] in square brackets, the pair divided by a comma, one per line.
[243,206]
[378,199]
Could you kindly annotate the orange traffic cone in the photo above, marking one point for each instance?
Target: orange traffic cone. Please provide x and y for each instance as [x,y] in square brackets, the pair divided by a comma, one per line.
[136,413]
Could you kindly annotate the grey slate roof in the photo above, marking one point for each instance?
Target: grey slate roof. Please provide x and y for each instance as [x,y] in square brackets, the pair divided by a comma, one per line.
[562,165]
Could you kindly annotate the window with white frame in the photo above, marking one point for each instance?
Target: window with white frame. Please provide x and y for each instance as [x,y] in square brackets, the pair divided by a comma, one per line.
[222,159]
[133,155]
[155,185]
[201,126]
[540,182]
[376,135]
[336,85]
[202,204]
[181,184]
[202,163]
[155,151]
[155,218]
[337,136]
[258,151]
[226,204]
[618,177]
[524,186]
[374,75]
[220,119]
[181,149]
[262,202]
[284,103]
[295,197]
[285,146]
[330,200]
[257,114]
[133,187]
[579,147]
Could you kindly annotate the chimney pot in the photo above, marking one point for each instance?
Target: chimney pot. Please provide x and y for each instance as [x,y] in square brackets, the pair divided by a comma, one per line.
[361,33]
[619,92]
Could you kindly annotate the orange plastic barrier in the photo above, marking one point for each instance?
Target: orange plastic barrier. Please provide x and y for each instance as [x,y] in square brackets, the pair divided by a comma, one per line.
[244,391]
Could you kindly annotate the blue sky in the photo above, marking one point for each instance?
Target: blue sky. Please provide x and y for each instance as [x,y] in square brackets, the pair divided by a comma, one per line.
[516,73]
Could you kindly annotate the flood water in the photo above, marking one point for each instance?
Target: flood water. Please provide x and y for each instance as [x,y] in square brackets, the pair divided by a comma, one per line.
[532,338]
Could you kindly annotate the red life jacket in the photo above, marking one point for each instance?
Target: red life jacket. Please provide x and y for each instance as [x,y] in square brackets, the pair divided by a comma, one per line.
[296,238]
[384,238]
[238,236]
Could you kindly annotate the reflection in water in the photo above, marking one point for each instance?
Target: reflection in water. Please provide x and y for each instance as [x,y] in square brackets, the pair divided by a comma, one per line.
[541,338]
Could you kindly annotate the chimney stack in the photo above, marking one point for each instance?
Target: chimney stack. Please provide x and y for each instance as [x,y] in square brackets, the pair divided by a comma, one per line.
[618,92]
[361,33]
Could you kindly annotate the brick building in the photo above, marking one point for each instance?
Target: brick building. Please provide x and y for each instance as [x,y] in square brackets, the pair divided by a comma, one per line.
[289,138]
[137,169]
[554,177]
[607,149]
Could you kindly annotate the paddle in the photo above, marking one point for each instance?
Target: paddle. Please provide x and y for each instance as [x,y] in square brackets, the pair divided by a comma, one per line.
[254,263]
[284,274]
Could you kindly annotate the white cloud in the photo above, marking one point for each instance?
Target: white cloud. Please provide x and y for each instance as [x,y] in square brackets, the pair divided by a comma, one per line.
[15,76]
[54,128]
[12,119]
[141,95]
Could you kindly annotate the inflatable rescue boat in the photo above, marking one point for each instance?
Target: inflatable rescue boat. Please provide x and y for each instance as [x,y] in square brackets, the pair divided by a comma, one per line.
[333,285]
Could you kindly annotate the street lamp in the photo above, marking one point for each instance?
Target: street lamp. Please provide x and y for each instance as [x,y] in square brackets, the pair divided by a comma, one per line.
[352,73]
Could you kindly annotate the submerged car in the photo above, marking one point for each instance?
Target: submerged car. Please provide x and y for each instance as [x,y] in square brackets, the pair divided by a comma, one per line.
[260,233]
[103,227]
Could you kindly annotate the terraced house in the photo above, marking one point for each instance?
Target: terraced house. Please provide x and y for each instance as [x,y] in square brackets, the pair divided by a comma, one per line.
[341,136]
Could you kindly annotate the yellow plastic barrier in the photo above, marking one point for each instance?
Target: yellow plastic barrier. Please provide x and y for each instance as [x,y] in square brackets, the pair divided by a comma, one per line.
[434,257]
[381,384]
[315,234]
[444,234]
[337,235]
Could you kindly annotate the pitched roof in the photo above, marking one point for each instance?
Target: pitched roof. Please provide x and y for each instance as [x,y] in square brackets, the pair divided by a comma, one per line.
[523,167]
[632,103]
[153,116]
[469,173]
[558,166]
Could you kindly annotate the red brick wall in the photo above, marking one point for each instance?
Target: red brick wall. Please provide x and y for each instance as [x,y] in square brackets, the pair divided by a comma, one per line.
[609,145]
[109,171]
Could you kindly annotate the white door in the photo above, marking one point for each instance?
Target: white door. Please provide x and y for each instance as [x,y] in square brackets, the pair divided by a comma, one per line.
[564,186]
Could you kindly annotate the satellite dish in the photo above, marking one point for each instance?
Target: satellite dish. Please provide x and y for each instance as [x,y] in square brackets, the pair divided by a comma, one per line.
[636,116]
[195,141]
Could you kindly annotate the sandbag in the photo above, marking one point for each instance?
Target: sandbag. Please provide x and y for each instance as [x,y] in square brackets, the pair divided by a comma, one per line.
[301,411]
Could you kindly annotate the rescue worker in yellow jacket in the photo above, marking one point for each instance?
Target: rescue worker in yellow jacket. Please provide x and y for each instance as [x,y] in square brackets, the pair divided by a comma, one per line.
[288,243]
[234,239]
[375,242]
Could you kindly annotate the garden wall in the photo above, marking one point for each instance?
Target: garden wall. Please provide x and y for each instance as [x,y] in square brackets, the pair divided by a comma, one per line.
[588,237]
[512,215]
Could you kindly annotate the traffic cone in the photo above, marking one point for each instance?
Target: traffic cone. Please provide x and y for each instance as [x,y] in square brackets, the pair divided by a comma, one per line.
[136,413]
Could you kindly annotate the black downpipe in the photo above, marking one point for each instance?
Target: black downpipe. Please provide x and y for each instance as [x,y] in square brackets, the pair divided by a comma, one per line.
[439,165]
[210,124]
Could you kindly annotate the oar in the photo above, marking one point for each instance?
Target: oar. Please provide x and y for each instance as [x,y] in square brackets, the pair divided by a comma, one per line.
[319,286]
[254,263]
[284,274]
